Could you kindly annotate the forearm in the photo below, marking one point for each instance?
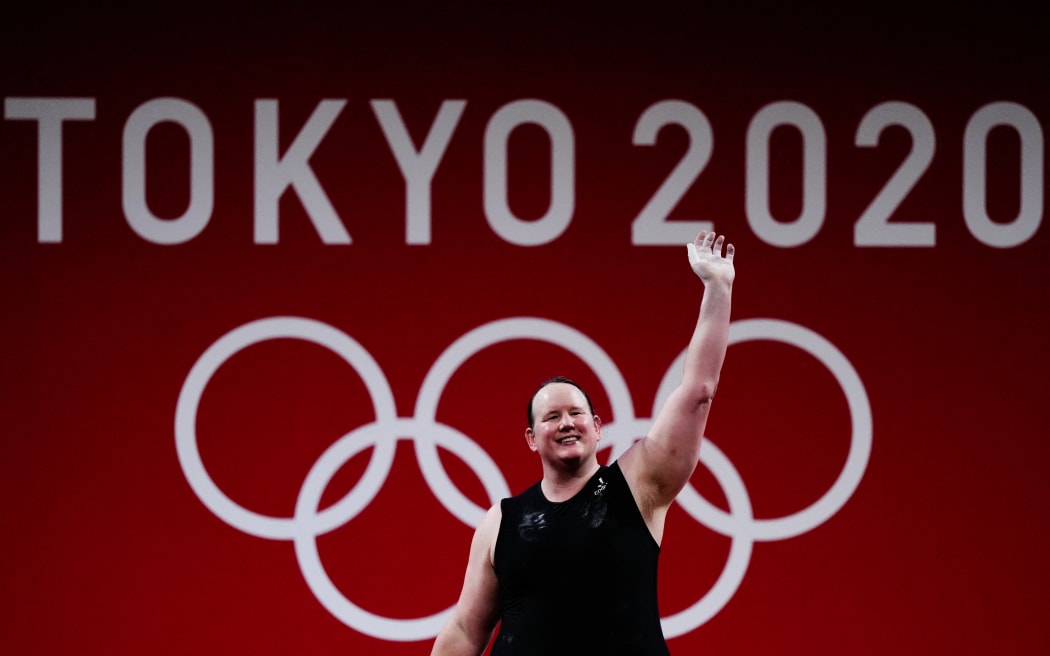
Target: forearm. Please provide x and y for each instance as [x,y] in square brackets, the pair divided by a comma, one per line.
[707,347]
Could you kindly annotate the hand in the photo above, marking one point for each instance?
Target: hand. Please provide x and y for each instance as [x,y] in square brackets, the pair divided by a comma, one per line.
[705,256]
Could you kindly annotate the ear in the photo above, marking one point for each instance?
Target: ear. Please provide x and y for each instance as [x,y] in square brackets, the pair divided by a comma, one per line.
[530,437]
[598,427]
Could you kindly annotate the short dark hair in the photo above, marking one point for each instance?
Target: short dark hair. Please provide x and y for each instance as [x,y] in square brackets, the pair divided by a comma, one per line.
[550,381]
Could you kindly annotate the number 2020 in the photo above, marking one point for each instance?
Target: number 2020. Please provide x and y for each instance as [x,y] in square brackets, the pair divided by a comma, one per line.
[873,227]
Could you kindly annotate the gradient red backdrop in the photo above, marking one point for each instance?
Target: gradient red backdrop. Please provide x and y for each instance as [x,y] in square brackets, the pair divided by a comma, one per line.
[108,549]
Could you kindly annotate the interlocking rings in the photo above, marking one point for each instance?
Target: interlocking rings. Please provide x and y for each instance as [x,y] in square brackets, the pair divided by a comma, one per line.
[308,522]
[740,524]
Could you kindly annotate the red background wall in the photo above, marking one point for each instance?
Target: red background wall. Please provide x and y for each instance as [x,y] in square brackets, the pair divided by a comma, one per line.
[941,547]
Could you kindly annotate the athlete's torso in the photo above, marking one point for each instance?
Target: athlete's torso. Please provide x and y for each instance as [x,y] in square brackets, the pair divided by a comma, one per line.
[577,577]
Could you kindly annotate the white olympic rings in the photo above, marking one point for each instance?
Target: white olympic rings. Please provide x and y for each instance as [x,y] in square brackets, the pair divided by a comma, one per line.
[308,522]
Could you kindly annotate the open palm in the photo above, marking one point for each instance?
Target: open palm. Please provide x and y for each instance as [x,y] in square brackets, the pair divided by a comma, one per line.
[707,260]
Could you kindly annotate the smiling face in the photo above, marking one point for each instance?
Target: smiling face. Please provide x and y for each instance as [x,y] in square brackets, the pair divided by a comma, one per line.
[564,432]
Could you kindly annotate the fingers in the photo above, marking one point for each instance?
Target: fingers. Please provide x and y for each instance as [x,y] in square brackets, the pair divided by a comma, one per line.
[704,240]
[709,242]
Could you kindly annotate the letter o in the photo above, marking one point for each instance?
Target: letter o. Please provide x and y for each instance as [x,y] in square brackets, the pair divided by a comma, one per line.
[563,195]
[202,179]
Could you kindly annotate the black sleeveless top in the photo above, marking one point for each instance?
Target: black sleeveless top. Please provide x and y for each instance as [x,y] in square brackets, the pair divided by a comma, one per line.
[577,577]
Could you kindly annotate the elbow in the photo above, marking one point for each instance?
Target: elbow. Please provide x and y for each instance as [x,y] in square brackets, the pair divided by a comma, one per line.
[701,392]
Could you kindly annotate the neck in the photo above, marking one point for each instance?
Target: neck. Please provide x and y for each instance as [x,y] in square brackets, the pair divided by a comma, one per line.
[562,485]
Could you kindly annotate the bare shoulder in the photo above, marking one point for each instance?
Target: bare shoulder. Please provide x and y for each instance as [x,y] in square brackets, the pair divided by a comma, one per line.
[470,626]
[636,473]
[646,486]
[487,532]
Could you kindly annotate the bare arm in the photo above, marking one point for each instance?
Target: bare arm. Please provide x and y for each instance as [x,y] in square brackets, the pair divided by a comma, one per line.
[469,630]
[659,466]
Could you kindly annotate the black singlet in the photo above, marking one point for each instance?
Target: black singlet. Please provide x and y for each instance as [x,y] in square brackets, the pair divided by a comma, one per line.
[577,577]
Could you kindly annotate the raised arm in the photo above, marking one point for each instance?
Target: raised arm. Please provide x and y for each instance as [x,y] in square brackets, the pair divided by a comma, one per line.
[469,630]
[658,466]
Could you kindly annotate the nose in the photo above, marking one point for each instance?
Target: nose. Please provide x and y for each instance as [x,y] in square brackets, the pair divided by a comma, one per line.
[566,423]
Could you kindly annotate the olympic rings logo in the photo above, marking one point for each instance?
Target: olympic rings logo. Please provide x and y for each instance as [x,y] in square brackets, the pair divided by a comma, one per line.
[308,522]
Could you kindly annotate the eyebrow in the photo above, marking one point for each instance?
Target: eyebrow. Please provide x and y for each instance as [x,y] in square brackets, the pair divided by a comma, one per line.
[559,409]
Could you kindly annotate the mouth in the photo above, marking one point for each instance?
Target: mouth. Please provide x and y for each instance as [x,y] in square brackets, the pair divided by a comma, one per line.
[572,439]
